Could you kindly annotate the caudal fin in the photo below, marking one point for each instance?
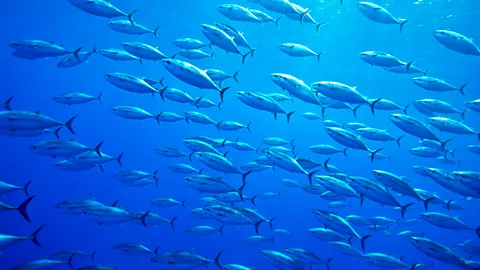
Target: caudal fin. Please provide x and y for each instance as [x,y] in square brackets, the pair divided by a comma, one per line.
[22,208]
[143,219]
[462,114]
[404,208]
[405,109]
[310,175]
[327,263]
[373,153]
[402,24]
[155,32]
[426,202]
[172,222]
[245,56]
[477,231]
[270,222]
[217,260]
[244,176]
[354,110]
[221,229]
[222,92]
[33,236]
[363,239]
[119,159]
[97,149]
[289,115]
[257,224]
[398,141]
[276,21]
[461,89]
[317,26]
[69,123]
[235,76]
[372,105]
[25,188]
[6,104]
[100,98]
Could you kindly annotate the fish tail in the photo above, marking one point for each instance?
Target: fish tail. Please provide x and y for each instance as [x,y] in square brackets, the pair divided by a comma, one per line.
[354,110]
[327,263]
[183,202]
[25,187]
[461,89]
[362,199]
[162,91]
[76,52]
[244,176]
[240,191]
[235,76]
[244,56]
[22,208]
[325,164]
[68,124]
[398,141]
[291,142]
[130,16]
[143,217]
[350,241]
[444,143]
[317,26]
[248,126]
[6,104]
[409,65]
[402,24]
[253,200]
[374,153]
[217,260]
[119,159]
[404,208]
[462,114]
[477,231]
[93,256]
[302,15]
[33,236]
[276,21]
[427,201]
[363,239]
[289,115]
[405,109]
[97,149]
[161,81]
[372,105]
[172,222]
[426,72]
[270,222]
[100,98]
[221,229]
[273,239]
[257,224]
[222,92]
[155,32]
[94,50]
[69,261]
[252,50]
[114,204]
[310,175]
[156,178]
[324,109]
[414,266]
[345,151]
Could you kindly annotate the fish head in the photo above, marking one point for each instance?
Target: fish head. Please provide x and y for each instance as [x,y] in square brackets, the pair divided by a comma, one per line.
[364,6]
[320,213]
[223,8]
[439,34]
[366,55]
[206,28]
[33,147]
[15,45]
[169,64]
[377,173]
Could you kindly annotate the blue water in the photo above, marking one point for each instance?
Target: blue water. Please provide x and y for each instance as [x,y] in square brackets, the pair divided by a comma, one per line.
[346,34]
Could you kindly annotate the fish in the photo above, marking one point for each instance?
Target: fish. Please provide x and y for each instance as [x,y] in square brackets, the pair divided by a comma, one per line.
[379,14]
[190,44]
[22,208]
[131,27]
[101,8]
[144,51]
[295,87]
[8,188]
[192,75]
[376,134]
[222,40]
[204,230]
[381,59]
[298,50]
[263,102]
[456,42]
[119,55]
[437,85]
[7,241]
[414,127]
[42,49]
[63,148]
[349,140]
[130,83]
[73,98]
[30,121]
[69,61]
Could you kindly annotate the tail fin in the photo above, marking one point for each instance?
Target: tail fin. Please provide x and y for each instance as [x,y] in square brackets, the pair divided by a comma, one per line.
[449,205]
[33,236]
[143,218]
[100,98]
[310,175]
[253,200]
[345,151]
[404,208]
[219,105]
[289,115]
[354,110]
[56,132]
[155,32]
[426,202]
[325,165]
[398,141]
[244,56]
[69,261]
[477,231]
[119,159]
[402,24]
[248,126]
[273,239]
[327,263]
[318,56]
[68,124]
[252,50]
[372,105]
[221,230]
[93,256]
[426,72]
[240,191]
[372,157]
[154,175]
[461,89]
[276,21]
[222,92]
[97,149]
[244,176]
[172,222]
[183,202]
[25,188]
[22,208]
[302,15]
[409,65]
[270,222]
[444,143]
[317,26]
[217,260]
[414,266]
[161,91]
[235,76]
[6,104]
[76,52]
[257,225]
[462,114]
[130,16]
[363,239]
[405,109]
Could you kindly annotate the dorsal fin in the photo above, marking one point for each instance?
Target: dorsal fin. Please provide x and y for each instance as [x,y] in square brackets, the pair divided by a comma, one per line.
[37,112]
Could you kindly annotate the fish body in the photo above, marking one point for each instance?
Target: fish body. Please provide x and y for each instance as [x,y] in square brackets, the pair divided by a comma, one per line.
[413,126]
[101,8]
[190,43]
[437,85]
[41,49]
[295,87]
[143,51]
[130,83]
[456,42]
[380,59]
[379,14]
[119,55]
[130,112]
[131,28]
[30,121]
[73,98]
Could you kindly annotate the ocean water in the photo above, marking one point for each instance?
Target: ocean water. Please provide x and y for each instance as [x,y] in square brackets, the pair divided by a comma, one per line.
[346,33]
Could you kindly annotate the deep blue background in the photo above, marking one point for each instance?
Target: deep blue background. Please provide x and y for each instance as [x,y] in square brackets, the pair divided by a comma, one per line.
[347,33]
